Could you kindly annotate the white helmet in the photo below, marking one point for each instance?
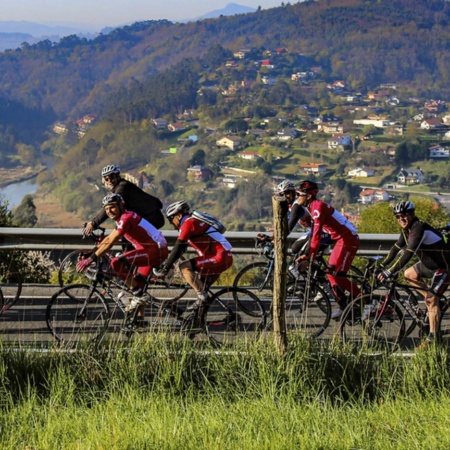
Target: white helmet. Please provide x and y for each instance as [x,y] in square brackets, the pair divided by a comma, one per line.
[404,207]
[177,207]
[286,185]
[109,169]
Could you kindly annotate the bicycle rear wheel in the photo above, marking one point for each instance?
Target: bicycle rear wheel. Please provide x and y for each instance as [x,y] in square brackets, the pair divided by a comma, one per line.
[380,330]
[77,313]
[307,311]
[10,282]
[444,324]
[171,289]
[227,323]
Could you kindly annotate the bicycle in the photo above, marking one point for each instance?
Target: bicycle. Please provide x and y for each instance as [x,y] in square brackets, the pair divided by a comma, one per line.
[173,283]
[10,282]
[383,318]
[307,304]
[81,312]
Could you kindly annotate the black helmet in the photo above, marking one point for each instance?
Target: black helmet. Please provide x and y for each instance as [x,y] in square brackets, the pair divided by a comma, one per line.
[404,207]
[112,198]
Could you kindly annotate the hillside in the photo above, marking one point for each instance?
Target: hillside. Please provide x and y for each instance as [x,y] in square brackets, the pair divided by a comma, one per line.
[365,42]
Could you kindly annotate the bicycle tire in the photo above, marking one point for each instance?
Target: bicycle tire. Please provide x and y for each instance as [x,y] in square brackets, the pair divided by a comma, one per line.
[444,325]
[255,277]
[308,318]
[63,314]
[171,289]
[226,323]
[10,283]
[383,330]
[67,273]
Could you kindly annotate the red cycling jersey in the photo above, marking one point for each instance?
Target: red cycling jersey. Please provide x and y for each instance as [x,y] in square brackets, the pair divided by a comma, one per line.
[326,218]
[139,231]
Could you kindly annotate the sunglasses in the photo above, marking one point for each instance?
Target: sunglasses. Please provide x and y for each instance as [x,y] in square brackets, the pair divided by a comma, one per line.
[109,178]
[300,194]
[401,216]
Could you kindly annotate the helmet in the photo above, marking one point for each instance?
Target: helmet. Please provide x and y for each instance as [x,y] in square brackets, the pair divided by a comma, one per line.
[177,207]
[309,187]
[111,168]
[112,198]
[403,207]
[286,185]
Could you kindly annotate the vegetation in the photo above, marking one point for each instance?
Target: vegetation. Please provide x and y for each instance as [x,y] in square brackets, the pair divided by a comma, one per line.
[167,394]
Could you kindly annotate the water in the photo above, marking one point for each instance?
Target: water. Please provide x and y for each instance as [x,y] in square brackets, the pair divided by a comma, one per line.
[15,192]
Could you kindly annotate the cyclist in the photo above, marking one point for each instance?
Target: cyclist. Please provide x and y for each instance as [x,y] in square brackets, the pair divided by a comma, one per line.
[149,247]
[325,218]
[419,239]
[136,200]
[213,252]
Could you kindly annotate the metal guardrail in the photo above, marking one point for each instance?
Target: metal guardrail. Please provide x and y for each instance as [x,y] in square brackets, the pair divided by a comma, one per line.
[49,239]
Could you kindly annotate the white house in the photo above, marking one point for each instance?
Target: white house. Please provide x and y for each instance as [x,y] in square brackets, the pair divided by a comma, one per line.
[249,155]
[339,139]
[439,151]
[361,172]
[410,176]
[232,142]
[315,168]
[376,122]
[367,196]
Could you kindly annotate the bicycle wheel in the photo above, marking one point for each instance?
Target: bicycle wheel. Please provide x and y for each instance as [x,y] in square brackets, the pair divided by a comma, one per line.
[444,324]
[226,323]
[307,311]
[67,273]
[171,289]
[77,313]
[381,329]
[10,283]
[258,278]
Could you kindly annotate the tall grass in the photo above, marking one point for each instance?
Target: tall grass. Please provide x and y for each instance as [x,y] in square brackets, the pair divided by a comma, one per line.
[162,393]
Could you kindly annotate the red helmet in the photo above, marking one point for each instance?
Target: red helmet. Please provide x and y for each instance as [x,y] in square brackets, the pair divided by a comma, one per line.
[308,187]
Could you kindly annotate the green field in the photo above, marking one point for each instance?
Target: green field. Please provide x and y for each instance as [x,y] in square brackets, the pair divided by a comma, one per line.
[155,393]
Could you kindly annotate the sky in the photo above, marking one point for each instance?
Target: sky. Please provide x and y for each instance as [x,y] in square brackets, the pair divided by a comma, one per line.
[101,13]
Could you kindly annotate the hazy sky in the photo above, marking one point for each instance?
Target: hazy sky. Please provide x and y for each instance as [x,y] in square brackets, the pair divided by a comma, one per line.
[115,12]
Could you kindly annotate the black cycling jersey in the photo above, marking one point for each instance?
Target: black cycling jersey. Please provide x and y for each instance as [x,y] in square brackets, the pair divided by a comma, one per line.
[138,201]
[296,214]
[423,240]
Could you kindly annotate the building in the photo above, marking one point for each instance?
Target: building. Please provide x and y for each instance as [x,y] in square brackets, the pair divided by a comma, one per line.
[410,176]
[201,174]
[439,152]
[314,168]
[231,142]
[339,140]
[361,172]
[368,196]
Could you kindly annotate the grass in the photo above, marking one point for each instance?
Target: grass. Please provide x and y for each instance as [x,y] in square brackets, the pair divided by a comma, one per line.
[169,394]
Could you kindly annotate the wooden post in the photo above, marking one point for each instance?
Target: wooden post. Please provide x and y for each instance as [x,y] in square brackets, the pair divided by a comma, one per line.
[280,210]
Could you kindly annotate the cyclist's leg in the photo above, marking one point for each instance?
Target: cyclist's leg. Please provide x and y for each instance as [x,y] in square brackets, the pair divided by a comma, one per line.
[339,264]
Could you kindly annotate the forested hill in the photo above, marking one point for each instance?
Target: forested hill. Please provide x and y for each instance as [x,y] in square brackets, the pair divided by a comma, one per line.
[366,42]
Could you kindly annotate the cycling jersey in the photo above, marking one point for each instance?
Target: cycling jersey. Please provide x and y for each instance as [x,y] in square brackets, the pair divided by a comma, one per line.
[138,231]
[326,218]
[150,246]
[422,240]
[144,204]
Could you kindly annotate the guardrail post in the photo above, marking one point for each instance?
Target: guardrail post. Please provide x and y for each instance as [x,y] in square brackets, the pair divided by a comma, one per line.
[280,210]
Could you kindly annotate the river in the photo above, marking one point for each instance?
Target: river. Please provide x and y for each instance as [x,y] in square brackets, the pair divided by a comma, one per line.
[15,192]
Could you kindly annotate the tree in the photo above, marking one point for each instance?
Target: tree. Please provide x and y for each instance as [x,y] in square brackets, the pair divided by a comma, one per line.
[380,219]
[25,214]
[5,214]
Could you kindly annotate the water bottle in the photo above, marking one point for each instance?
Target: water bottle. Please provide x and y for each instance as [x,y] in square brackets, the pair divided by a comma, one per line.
[293,269]
[123,299]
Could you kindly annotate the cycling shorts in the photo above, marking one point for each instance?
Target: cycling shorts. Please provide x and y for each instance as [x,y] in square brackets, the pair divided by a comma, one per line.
[214,264]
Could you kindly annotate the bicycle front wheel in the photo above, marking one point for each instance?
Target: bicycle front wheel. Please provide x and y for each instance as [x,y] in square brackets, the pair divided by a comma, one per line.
[258,278]
[67,273]
[10,283]
[77,313]
[372,323]
[227,323]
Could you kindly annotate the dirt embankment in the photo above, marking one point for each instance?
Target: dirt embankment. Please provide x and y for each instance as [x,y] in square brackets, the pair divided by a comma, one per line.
[50,213]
